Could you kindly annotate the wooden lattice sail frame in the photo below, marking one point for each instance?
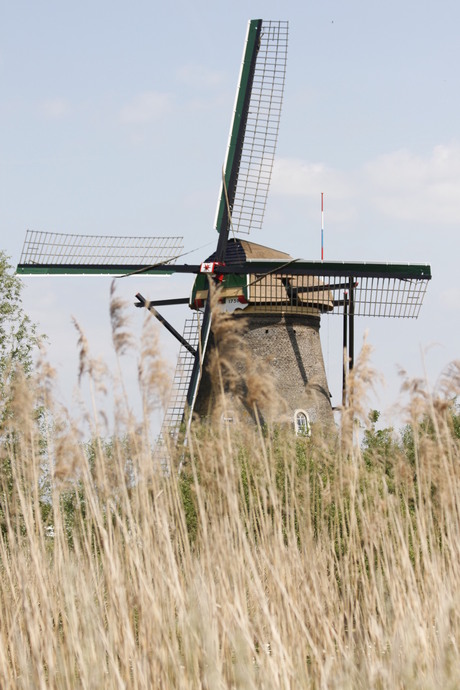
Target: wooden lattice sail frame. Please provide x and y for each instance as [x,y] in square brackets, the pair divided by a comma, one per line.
[48,253]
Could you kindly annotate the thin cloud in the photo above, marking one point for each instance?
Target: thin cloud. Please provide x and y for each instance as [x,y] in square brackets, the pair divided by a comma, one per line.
[206,88]
[411,187]
[146,107]
[54,108]
[450,299]
[294,177]
[401,185]
[200,77]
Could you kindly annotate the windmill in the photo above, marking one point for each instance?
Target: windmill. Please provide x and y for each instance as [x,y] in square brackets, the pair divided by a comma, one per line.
[281,298]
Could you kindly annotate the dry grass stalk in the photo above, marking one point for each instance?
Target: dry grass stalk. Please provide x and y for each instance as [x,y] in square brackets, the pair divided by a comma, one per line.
[269,563]
[122,337]
[154,373]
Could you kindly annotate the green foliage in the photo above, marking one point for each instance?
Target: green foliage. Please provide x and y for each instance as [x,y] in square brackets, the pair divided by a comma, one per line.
[456,421]
[425,428]
[188,498]
[378,443]
[18,339]
[18,335]
[454,418]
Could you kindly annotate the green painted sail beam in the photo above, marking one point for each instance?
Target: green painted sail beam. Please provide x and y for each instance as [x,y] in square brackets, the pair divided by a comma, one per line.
[361,269]
[258,267]
[91,269]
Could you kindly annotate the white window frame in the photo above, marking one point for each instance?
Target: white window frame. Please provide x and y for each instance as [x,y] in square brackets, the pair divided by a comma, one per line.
[304,429]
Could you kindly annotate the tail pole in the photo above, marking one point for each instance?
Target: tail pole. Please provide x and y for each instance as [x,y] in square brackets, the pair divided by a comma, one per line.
[322,227]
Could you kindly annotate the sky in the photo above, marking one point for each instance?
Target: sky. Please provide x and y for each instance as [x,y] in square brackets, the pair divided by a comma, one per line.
[114,120]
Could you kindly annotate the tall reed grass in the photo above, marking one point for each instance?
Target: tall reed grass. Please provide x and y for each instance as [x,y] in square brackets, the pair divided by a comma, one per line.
[270,561]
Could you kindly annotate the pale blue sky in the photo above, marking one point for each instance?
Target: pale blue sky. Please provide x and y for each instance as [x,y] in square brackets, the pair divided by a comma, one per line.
[114,118]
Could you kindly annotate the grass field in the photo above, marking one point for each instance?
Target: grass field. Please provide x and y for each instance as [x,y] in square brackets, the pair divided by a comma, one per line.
[270,562]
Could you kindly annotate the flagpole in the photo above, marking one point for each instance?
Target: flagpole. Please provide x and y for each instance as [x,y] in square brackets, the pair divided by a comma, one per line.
[322,227]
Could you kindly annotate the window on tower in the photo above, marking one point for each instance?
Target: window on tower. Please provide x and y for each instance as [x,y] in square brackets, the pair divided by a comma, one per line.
[302,423]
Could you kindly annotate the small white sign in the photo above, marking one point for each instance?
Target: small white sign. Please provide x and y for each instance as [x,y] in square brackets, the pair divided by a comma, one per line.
[232,303]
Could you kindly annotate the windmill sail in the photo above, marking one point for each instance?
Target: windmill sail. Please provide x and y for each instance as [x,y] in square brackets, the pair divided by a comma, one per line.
[63,254]
[250,152]
[199,359]
[255,124]
[175,411]
[379,289]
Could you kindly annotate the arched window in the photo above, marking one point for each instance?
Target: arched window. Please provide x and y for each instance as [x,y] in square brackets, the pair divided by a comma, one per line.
[302,423]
